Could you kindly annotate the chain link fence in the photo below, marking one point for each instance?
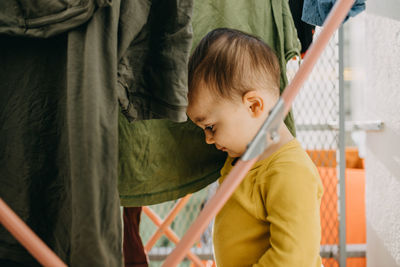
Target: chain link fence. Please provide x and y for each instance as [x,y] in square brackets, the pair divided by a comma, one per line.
[203,249]
[316,111]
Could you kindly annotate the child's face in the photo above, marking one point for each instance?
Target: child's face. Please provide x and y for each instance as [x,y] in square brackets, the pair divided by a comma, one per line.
[228,124]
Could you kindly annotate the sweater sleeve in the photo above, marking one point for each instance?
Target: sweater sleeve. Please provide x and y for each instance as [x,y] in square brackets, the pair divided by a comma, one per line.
[292,202]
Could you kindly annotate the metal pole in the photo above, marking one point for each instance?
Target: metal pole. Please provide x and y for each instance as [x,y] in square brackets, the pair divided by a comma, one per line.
[342,159]
[39,250]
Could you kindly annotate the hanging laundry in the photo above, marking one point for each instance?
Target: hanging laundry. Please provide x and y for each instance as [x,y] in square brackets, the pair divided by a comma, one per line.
[152,73]
[59,113]
[316,11]
[45,18]
[305,31]
[134,254]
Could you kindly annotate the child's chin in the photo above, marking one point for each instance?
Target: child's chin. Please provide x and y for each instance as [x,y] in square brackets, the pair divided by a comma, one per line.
[233,154]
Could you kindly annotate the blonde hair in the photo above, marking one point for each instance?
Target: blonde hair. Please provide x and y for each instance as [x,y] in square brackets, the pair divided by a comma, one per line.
[230,63]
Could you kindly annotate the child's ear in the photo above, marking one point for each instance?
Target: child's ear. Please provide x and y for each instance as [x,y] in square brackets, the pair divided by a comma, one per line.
[254,102]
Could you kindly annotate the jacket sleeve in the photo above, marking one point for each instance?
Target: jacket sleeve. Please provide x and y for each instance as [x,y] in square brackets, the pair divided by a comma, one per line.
[292,203]
[153,69]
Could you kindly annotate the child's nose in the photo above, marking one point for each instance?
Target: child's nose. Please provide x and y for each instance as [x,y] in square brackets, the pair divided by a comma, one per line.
[209,137]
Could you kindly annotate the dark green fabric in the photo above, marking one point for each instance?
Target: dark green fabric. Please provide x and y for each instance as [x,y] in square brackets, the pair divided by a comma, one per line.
[161,160]
[146,178]
[59,141]
[45,18]
[152,73]
[59,119]
[271,20]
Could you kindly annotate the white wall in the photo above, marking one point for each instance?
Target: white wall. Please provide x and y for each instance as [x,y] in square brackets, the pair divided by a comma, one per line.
[377,97]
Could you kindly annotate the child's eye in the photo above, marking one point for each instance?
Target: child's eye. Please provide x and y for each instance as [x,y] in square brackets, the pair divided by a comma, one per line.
[210,128]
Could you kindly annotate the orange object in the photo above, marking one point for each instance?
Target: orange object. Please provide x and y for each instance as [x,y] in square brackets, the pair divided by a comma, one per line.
[170,234]
[207,263]
[355,201]
[165,224]
[28,238]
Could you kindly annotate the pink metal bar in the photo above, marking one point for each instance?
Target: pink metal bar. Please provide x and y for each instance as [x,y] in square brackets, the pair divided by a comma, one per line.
[171,235]
[42,253]
[170,217]
[332,23]
[210,209]
[238,173]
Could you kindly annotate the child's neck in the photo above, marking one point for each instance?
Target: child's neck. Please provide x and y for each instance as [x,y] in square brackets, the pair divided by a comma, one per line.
[284,137]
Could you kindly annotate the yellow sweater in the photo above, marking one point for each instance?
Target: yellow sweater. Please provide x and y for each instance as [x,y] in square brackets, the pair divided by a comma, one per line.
[272,219]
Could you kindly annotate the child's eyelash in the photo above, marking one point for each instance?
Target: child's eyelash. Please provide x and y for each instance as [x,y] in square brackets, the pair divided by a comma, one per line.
[210,127]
